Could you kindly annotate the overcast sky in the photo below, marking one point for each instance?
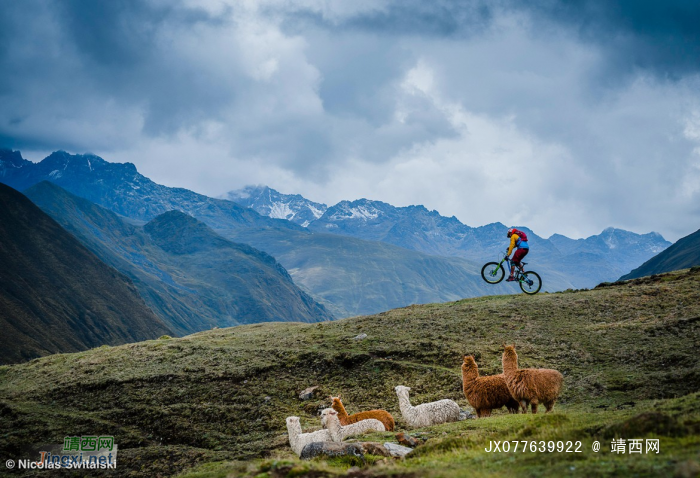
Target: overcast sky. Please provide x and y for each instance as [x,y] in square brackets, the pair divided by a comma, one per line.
[562,116]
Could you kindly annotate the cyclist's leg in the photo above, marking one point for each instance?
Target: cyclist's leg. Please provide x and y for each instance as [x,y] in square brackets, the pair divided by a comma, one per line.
[517,257]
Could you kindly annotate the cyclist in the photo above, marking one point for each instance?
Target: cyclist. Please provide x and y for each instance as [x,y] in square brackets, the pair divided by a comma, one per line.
[517,239]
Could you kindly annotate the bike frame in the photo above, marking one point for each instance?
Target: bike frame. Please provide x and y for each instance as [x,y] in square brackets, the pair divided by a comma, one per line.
[518,270]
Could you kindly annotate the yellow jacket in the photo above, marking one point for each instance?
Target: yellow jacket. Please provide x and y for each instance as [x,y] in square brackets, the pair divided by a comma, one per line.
[515,241]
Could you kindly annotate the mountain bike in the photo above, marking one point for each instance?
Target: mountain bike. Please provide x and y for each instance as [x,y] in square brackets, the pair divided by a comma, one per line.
[493,273]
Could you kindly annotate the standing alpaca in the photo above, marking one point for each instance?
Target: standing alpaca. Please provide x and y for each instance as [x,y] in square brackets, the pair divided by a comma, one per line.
[298,440]
[345,419]
[485,393]
[530,385]
[426,414]
[329,418]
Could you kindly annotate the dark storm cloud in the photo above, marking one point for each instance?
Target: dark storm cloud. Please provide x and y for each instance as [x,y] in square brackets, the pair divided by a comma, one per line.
[70,58]
[660,36]
[409,17]
[663,37]
[366,97]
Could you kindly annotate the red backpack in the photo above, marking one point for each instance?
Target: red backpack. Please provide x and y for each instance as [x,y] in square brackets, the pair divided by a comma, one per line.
[521,234]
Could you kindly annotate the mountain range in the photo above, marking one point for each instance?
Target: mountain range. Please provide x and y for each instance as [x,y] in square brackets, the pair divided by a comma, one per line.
[321,264]
[190,276]
[583,263]
[56,295]
[357,257]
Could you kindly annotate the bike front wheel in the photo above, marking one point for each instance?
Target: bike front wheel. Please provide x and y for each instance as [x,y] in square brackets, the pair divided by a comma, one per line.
[530,282]
[493,272]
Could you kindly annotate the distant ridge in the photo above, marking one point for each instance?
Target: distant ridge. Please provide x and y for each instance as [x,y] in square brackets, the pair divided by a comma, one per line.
[56,295]
[566,262]
[683,254]
[119,187]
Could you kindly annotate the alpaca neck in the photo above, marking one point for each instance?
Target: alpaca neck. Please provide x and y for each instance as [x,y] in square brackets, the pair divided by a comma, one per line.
[469,374]
[338,407]
[510,363]
[334,428]
[404,403]
[294,430]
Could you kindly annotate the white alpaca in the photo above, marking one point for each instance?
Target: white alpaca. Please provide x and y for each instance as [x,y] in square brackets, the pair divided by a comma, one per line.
[426,414]
[298,440]
[330,420]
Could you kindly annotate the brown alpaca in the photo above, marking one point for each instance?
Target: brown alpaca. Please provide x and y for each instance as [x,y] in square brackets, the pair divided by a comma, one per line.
[485,393]
[530,385]
[345,419]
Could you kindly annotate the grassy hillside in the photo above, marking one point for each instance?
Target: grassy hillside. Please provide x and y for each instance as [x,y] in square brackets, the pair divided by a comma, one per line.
[216,401]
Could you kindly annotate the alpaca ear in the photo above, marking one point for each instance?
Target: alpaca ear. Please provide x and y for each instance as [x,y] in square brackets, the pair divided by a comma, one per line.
[503,345]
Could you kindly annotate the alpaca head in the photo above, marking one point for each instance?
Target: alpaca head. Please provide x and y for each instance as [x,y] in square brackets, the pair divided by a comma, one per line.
[401,390]
[469,364]
[293,424]
[327,414]
[336,401]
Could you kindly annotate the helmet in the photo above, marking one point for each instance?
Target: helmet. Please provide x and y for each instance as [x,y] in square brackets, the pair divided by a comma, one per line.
[511,232]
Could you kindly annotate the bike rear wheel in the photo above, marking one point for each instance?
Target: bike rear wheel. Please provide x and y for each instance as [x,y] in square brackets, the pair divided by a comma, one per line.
[493,272]
[530,282]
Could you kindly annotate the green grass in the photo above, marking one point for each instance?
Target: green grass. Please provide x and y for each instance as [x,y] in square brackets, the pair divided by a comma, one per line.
[214,403]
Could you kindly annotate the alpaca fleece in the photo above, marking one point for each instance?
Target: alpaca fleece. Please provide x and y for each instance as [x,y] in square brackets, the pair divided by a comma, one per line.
[345,419]
[530,386]
[485,393]
[298,440]
[329,419]
[426,414]
[331,449]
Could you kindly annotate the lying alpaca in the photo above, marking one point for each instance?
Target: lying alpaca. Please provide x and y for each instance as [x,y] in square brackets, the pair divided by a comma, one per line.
[298,440]
[329,419]
[332,449]
[345,419]
[530,385]
[426,414]
[485,393]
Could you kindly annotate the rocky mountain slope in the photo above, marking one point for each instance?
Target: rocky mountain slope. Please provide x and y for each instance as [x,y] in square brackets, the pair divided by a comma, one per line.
[56,295]
[190,276]
[681,255]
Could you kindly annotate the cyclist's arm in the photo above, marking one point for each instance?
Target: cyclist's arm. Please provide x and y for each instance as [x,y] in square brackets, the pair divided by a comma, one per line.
[513,240]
